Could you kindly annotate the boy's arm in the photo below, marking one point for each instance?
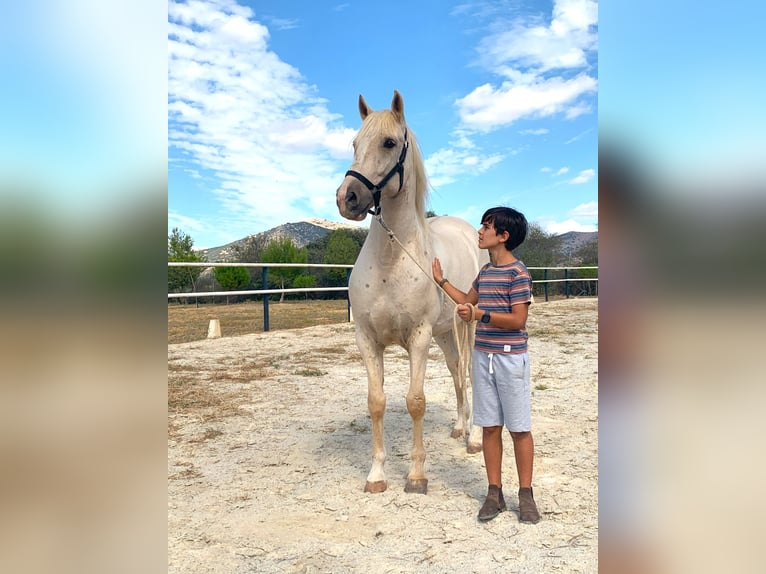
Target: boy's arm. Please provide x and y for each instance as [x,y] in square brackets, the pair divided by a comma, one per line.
[456,294]
[513,321]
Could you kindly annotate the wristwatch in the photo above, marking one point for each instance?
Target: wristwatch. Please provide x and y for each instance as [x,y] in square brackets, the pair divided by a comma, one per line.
[485,317]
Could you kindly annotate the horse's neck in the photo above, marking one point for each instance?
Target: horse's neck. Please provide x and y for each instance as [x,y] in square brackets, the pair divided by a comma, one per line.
[402,219]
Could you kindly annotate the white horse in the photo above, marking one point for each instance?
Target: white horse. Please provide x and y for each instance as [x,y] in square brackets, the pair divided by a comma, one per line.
[393,297]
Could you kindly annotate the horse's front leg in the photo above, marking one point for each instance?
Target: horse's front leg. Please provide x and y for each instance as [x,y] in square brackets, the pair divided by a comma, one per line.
[416,406]
[372,355]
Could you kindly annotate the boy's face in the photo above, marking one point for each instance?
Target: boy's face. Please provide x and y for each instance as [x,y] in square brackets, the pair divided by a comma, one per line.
[488,237]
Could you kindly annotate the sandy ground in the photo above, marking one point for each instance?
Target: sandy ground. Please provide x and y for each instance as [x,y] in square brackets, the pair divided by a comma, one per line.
[268,474]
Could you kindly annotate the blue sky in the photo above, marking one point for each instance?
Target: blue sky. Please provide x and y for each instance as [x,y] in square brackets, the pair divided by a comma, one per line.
[683,85]
[262,107]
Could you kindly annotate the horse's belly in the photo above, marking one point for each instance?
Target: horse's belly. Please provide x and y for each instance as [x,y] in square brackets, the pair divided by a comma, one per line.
[390,322]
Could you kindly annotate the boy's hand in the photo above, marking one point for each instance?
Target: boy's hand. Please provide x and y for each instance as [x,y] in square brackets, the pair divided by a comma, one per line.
[436,269]
[465,312]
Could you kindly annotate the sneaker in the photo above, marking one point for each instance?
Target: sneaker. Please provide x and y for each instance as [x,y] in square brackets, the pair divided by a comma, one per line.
[493,505]
[527,507]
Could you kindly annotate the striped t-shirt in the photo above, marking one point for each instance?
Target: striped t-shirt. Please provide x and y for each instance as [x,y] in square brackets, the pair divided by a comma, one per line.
[499,288]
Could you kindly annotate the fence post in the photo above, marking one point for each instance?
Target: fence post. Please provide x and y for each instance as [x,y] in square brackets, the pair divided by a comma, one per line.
[265,276]
[348,299]
[566,283]
[545,284]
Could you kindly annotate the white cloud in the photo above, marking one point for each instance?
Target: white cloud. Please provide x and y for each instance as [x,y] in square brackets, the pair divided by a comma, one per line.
[534,132]
[236,109]
[578,109]
[583,177]
[284,23]
[583,217]
[562,171]
[565,43]
[462,139]
[187,224]
[448,164]
[528,54]
[558,227]
[586,210]
[578,136]
[488,108]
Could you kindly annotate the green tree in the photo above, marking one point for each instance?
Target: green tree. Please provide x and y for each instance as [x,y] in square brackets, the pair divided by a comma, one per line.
[284,251]
[318,248]
[588,254]
[305,282]
[343,250]
[540,249]
[232,278]
[181,248]
[249,250]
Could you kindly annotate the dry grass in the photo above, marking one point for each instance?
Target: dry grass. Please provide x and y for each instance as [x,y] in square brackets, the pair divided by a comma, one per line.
[187,323]
[188,391]
[214,394]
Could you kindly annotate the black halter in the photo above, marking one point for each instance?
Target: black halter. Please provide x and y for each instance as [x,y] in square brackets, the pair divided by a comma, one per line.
[375,189]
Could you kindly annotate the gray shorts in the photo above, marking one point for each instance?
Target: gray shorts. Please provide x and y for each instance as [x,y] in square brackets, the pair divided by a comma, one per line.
[501,395]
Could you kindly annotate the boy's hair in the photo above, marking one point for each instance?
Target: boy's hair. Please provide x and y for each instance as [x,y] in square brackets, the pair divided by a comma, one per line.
[507,219]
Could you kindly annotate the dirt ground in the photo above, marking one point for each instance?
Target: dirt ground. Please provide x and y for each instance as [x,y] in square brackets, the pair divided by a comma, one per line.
[269,445]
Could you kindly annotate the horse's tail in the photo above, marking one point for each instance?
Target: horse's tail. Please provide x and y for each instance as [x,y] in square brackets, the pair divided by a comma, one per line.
[465,334]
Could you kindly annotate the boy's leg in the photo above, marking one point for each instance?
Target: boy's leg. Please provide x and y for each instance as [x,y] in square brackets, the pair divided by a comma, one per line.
[492,446]
[488,413]
[524,452]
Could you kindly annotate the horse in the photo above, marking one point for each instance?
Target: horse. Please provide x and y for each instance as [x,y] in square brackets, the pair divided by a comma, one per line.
[394,299]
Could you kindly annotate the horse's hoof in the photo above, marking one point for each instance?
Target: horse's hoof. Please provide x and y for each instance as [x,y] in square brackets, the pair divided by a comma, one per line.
[457,433]
[375,487]
[473,448]
[417,486]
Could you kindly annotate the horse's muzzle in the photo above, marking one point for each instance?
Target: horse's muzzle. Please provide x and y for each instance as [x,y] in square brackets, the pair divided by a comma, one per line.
[353,200]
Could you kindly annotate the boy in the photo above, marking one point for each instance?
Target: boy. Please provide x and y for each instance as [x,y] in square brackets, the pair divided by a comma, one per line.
[499,300]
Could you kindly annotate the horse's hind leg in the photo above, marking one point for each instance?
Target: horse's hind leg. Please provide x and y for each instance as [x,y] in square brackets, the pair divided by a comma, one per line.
[447,344]
[464,425]
[372,355]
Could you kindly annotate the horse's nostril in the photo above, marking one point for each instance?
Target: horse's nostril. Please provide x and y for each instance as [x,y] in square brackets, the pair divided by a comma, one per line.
[350,197]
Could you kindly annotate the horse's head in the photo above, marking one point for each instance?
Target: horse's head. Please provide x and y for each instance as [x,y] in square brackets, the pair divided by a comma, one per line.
[380,152]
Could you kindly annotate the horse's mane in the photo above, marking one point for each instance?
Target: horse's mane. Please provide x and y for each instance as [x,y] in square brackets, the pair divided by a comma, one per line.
[384,121]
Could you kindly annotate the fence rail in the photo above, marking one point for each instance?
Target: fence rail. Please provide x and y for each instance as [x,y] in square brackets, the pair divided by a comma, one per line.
[265,292]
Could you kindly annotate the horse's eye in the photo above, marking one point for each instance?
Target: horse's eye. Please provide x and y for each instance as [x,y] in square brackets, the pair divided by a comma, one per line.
[389,143]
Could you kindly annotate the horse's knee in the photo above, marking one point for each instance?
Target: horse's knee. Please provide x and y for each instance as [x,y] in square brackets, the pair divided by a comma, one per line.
[376,404]
[416,405]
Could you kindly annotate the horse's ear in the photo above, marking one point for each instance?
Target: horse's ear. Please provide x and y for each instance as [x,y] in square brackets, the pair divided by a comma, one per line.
[364,109]
[397,105]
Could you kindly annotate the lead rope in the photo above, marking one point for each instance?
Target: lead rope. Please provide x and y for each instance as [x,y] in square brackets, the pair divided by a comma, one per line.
[460,329]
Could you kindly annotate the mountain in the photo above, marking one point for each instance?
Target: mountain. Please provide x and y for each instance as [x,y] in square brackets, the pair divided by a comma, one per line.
[571,241]
[304,232]
[300,232]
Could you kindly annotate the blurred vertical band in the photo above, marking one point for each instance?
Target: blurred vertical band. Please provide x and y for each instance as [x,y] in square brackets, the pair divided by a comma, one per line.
[83,188]
[682,198]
